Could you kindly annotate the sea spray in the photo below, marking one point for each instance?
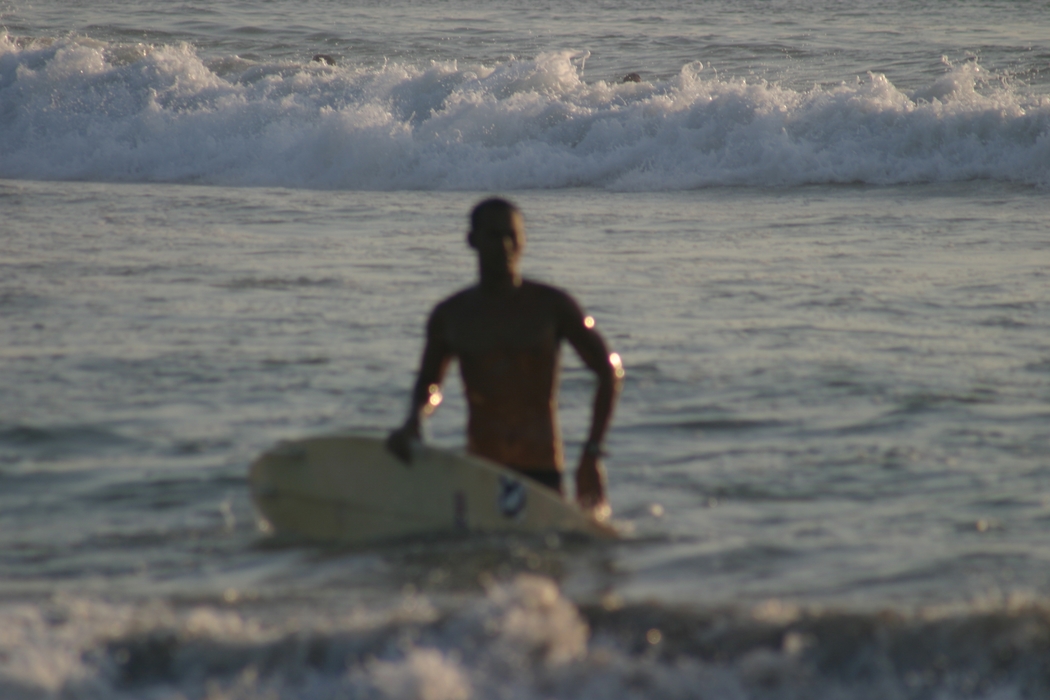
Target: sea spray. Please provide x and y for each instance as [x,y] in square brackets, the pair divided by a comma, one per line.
[523,639]
[86,110]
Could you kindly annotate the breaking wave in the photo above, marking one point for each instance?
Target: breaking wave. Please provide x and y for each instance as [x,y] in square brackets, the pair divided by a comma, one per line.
[82,109]
[523,639]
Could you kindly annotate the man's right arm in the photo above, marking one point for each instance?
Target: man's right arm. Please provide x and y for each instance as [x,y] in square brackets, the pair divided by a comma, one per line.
[426,394]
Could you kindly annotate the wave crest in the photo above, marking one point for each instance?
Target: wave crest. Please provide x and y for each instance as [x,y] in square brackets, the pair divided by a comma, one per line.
[85,110]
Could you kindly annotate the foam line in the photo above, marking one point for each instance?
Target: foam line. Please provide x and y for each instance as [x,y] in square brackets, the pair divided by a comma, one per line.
[86,110]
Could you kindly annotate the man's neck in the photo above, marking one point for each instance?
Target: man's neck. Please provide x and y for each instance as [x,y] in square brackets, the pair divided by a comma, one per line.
[500,280]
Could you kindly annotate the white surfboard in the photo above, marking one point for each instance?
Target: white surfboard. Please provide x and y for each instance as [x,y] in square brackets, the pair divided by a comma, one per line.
[351,489]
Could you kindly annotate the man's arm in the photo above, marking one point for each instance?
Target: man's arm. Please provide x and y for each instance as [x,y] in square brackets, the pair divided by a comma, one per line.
[589,345]
[426,394]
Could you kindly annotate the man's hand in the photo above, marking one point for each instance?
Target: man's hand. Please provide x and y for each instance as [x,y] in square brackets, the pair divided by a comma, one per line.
[590,487]
[401,440]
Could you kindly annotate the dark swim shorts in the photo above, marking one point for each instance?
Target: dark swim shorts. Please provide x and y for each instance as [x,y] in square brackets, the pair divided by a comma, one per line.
[551,478]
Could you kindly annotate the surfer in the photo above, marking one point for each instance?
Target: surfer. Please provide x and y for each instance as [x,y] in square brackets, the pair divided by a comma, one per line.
[506,332]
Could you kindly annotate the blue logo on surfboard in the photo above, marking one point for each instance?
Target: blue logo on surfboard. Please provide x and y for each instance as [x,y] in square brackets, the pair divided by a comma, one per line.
[511,496]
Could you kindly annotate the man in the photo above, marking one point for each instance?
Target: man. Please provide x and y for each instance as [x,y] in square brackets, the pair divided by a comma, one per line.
[506,332]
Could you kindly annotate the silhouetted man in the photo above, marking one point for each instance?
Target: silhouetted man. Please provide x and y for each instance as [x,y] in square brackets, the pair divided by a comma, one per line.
[506,332]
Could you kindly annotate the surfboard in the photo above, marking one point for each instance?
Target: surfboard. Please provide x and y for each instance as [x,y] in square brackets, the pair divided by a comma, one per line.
[351,489]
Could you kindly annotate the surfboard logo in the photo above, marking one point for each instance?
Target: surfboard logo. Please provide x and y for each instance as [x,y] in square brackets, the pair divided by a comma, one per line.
[511,496]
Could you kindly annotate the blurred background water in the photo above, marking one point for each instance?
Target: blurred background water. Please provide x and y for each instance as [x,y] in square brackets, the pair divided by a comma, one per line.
[821,251]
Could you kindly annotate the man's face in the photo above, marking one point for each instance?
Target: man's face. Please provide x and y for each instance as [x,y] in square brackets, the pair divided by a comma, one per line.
[500,243]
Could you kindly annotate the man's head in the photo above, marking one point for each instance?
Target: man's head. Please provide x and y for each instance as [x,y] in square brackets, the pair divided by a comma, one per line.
[497,232]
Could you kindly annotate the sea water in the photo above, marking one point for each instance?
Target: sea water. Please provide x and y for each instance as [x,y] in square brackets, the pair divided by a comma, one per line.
[816,233]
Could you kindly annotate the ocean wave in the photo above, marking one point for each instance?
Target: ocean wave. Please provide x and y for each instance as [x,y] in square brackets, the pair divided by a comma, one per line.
[522,639]
[81,109]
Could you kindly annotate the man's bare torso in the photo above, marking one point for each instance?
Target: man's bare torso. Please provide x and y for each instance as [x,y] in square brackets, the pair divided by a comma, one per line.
[508,350]
[506,332]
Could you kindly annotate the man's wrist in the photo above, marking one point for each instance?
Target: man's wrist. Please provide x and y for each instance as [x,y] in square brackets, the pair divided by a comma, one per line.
[593,448]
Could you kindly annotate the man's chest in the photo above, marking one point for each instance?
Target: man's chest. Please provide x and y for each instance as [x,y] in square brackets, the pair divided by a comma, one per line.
[486,327]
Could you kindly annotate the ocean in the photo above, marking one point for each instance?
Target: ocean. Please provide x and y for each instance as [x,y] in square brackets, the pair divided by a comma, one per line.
[816,232]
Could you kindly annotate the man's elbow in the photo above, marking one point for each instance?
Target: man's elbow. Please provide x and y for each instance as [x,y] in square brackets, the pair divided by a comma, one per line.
[612,373]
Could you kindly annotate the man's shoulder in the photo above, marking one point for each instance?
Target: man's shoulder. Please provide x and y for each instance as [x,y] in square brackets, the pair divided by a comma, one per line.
[541,290]
[557,299]
[547,291]
[459,298]
[458,305]
[541,297]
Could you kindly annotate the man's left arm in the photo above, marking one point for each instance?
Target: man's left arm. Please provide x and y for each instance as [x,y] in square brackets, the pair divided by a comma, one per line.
[579,330]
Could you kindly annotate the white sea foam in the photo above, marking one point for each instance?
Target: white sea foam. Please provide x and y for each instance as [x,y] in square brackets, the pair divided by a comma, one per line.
[87,110]
[523,640]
